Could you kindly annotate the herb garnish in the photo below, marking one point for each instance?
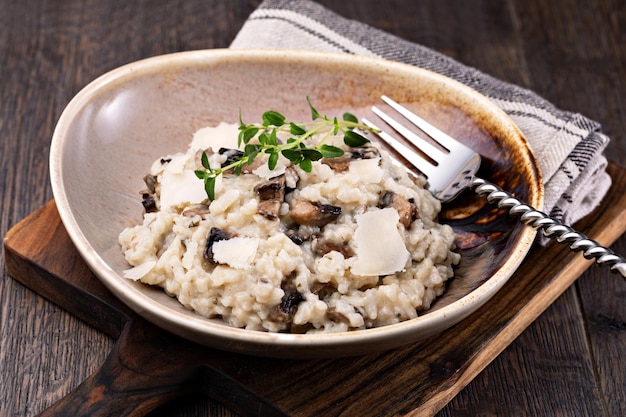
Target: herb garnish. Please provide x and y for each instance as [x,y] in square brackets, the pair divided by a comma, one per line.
[294,149]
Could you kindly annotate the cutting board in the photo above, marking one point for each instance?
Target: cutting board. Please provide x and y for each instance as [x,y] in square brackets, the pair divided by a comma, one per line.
[148,367]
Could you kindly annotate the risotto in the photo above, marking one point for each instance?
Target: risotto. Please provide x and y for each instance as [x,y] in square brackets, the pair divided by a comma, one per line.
[353,244]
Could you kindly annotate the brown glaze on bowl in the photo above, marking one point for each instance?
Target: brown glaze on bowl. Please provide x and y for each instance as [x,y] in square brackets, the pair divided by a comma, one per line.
[109,134]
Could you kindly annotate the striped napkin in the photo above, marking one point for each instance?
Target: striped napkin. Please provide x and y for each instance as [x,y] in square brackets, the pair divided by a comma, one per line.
[567,145]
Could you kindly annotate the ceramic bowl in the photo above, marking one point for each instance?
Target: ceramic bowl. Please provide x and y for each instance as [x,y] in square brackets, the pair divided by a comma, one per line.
[111,132]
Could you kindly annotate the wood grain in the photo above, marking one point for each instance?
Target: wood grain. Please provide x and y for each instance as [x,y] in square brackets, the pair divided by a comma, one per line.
[569,362]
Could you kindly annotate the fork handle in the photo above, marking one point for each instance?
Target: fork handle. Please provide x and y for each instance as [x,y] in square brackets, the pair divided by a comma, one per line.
[551,228]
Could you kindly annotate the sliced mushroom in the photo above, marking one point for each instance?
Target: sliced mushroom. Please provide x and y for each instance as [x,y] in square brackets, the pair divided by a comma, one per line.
[321,288]
[337,317]
[342,163]
[339,164]
[321,247]
[148,202]
[269,209]
[308,213]
[150,181]
[298,236]
[273,189]
[271,195]
[284,312]
[406,209]
[195,210]
[365,152]
[290,301]
[232,155]
[215,235]
[147,197]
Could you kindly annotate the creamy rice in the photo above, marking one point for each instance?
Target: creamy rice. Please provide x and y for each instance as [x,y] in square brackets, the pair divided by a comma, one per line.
[351,245]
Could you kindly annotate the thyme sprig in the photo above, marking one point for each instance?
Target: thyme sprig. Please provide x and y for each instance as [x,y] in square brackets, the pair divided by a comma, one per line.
[294,149]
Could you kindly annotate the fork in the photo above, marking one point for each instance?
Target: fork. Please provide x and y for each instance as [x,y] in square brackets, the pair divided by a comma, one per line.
[455,170]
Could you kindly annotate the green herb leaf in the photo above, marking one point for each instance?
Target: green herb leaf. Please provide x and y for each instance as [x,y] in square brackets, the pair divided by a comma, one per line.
[241,123]
[329,151]
[272,161]
[264,138]
[209,187]
[273,139]
[349,117]
[314,113]
[250,152]
[353,139]
[306,165]
[204,159]
[294,155]
[273,118]
[247,133]
[294,129]
[312,154]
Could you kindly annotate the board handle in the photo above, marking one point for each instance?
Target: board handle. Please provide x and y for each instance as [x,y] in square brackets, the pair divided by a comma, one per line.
[149,367]
[139,375]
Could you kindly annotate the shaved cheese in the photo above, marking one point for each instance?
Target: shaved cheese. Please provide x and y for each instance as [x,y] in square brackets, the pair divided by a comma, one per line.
[179,183]
[366,170]
[223,135]
[380,249]
[237,252]
[175,163]
[178,188]
[139,271]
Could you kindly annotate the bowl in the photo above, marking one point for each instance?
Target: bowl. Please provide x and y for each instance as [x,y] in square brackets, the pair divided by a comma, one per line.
[111,131]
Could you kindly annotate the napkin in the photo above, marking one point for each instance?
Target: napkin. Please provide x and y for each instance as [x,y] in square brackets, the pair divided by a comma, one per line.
[568,146]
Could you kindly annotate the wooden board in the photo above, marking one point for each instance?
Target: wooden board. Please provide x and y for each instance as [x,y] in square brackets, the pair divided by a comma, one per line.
[148,366]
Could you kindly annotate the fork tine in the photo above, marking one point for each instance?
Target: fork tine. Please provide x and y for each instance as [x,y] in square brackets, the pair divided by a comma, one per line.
[434,153]
[440,137]
[409,154]
[453,169]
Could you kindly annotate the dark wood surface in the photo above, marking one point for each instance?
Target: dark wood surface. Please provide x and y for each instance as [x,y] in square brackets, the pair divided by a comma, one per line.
[570,362]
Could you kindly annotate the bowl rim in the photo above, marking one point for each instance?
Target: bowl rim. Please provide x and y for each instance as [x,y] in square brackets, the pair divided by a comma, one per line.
[268,344]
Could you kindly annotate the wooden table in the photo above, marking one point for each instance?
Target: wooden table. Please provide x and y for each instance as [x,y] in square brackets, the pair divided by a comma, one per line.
[569,362]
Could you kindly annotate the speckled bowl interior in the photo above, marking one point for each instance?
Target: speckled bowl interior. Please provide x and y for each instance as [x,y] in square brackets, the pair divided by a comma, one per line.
[111,132]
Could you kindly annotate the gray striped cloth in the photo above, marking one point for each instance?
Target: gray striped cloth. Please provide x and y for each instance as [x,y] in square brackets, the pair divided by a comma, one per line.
[568,146]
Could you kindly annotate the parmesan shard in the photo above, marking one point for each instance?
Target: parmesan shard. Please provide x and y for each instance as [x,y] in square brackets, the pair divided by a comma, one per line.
[224,135]
[237,252]
[178,188]
[380,248]
[139,271]
[367,170]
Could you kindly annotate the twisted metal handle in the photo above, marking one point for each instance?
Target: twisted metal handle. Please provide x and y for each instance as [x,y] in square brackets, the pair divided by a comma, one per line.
[551,228]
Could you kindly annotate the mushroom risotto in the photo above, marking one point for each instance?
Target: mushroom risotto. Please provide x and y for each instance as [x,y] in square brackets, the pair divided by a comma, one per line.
[352,244]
